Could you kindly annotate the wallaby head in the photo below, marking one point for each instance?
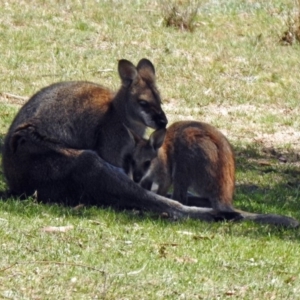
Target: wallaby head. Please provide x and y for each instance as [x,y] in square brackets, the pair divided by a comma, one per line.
[145,151]
[143,102]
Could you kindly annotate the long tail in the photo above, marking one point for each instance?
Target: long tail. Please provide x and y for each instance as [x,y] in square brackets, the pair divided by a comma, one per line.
[272,219]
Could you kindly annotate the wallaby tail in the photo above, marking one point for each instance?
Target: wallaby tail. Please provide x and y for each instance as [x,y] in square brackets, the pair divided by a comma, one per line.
[240,215]
[272,219]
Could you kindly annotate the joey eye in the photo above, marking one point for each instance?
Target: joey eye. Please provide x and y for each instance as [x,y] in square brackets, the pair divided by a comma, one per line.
[147,164]
[143,103]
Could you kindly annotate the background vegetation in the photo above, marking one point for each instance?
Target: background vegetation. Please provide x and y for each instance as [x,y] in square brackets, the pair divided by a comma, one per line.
[225,62]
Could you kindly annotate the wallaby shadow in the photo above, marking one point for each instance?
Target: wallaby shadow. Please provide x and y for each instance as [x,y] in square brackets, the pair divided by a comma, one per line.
[283,172]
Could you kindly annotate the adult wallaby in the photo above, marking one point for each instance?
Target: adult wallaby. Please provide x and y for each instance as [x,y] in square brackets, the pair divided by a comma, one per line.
[69,141]
[192,155]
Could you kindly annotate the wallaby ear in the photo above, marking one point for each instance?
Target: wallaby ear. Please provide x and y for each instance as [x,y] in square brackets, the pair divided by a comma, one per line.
[16,140]
[157,138]
[146,70]
[127,71]
[18,137]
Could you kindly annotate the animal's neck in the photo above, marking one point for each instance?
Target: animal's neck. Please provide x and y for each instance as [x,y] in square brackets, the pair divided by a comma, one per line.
[136,126]
[124,115]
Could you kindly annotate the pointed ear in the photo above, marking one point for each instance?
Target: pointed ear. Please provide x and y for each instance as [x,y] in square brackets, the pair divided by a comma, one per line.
[146,70]
[127,71]
[19,136]
[157,138]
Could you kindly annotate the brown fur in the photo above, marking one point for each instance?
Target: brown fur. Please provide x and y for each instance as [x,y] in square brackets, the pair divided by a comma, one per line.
[193,155]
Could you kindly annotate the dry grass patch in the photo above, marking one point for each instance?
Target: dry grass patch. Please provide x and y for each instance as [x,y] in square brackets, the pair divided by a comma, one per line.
[180,14]
[292,34]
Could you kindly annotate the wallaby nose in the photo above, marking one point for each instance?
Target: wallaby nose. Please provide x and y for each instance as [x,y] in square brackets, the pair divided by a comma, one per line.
[137,178]
[162,121]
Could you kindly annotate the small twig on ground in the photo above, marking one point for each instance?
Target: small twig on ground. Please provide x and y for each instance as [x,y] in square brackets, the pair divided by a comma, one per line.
[9,95]
[102,71]
[134,272]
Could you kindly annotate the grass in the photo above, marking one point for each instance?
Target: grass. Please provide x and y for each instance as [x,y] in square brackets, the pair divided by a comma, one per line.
[232,72]
[109,254]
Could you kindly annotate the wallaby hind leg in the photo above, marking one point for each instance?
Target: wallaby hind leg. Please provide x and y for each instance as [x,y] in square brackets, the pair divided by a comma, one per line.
[76,176]
[180,187]
[180,192]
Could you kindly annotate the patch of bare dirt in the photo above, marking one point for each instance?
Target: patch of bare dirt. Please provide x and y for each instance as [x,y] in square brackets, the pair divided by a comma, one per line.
[245,122]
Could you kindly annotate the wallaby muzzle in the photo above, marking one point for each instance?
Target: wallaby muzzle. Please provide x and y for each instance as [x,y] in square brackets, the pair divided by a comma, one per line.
[161,120]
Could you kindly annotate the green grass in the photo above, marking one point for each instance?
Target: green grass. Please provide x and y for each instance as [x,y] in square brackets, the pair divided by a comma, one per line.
[110,255]
[231,71]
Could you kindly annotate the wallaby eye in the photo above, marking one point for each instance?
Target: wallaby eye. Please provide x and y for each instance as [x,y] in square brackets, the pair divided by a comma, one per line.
[143,103]
[147,164]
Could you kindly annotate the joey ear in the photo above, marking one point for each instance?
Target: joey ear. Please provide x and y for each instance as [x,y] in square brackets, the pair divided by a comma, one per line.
[157,138]
[16,140]
[127,71]
[146,69]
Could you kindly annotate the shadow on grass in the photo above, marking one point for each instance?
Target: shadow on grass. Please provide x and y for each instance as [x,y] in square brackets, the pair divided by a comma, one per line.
[272,179]
[29,209]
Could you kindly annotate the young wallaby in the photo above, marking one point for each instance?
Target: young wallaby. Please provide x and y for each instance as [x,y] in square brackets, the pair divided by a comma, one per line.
[69,142]
[192,155]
